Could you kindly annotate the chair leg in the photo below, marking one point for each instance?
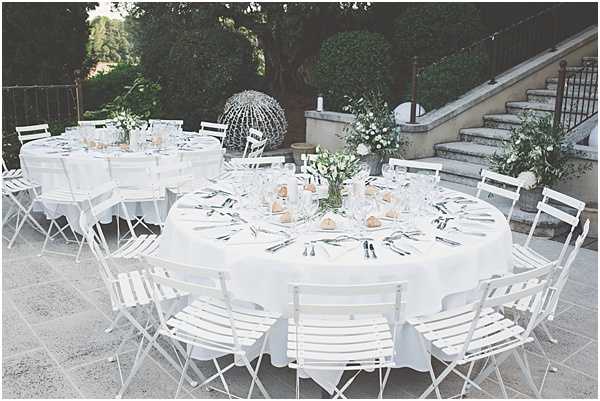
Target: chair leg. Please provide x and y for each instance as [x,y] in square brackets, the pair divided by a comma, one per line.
[438,380]
[499,377]
[114,323]
[549,367]
[255,378]
[185,366]
[526,373]
[220,373]
[297,383]
[463,391]
[385,379]
[547,331]
[137,365]
[262,352]
[340,392]
[431,373]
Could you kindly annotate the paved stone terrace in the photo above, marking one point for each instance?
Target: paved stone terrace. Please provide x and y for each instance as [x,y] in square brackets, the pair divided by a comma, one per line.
[54,313]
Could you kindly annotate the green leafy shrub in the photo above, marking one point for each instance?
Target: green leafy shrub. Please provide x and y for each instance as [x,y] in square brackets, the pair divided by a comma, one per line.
[446,81]
[104,87]
[433,30]
[205,68]
[351,64]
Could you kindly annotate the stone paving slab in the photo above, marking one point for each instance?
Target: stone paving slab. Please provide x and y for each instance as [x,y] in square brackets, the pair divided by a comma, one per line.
[54,344]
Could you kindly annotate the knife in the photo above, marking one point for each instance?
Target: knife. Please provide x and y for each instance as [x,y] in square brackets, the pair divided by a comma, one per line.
[476,219]
[366,248]
[281,245]
[447,241]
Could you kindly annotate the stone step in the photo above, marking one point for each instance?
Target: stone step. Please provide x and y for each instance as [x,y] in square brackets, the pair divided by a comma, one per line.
[501,121]
[591,59]
[548,96]
[584,82]
[457,171]
[466,151]
[484,135]
[538,109]
[578,68]
[286,152]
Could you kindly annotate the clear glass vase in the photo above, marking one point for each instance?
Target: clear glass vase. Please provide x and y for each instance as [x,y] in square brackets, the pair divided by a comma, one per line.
[334,198]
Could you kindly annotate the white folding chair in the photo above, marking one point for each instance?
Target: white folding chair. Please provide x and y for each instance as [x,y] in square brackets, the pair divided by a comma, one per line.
[31,132]
[212,321]
[129,291]
[550,300]
[503,192]
[480,330]
[344,334]
[524,256]
[18,192]
[256,162]
[255,144]
[61,193]
[175,175]
[138,181]
[416,165]
[8,173]
[176,124]
[306,159]
[96,123]
[216,130]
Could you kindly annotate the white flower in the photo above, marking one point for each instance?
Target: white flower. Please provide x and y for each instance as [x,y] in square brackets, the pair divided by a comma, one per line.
[528,178]
[363,149]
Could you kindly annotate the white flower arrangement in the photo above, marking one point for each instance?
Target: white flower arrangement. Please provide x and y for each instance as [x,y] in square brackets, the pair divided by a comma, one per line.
[529,179]
[335,167]
[374,129]
[127,121]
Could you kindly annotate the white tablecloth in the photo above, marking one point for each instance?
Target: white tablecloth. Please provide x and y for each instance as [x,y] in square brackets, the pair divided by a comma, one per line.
[88,169]
[436,275]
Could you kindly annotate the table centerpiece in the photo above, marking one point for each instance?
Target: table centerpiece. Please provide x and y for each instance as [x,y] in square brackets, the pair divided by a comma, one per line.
[335,168]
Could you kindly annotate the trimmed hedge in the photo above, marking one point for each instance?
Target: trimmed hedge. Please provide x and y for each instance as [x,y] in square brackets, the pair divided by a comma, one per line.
[104,87]
[353,63]
[441,83]
[433,30]
[205,68]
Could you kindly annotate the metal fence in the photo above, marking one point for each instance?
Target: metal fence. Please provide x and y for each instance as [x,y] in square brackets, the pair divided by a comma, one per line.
[507,48]
[576,94]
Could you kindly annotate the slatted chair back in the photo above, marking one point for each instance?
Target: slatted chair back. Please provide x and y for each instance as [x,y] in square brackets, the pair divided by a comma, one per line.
[216,130]
[32,132]
[173,173]
[256,162]
[200,161]
[50,174]
[487,186]
[544,207]
[133,172]
[175,124]
[306,159]
[8,173]
[254,140]
[96,123]
[529,287]
[562,275]
[311,316]
[107,197]
[199,282]
[416,165]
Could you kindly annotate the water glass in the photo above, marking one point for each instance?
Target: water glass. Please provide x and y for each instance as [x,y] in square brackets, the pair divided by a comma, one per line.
[387,170]
[290,169]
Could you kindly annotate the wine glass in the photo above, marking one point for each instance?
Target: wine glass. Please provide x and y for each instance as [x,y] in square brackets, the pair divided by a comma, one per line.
[290,169]
[387,170]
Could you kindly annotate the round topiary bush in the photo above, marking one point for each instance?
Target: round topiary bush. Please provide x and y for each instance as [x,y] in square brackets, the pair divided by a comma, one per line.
[252,109]
[446,81]
[205,67]
[433,30]
[353,63]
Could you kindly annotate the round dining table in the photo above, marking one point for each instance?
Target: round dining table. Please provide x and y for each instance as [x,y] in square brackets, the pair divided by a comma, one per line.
[442,267]
[88,169]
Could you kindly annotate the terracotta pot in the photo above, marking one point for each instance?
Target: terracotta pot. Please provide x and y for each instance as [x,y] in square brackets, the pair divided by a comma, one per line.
[300,148]
[529,199]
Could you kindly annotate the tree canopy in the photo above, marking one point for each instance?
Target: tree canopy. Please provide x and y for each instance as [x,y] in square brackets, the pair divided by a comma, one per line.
[43,43]
[109,41]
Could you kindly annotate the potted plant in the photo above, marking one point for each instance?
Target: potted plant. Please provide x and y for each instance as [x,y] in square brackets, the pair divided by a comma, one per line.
[538,153]
[374,135]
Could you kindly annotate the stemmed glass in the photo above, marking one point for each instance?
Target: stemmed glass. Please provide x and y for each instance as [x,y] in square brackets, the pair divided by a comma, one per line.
[387,170]
[290,169]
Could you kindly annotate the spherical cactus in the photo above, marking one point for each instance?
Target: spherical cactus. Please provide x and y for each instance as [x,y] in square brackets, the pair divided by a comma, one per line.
[252,109]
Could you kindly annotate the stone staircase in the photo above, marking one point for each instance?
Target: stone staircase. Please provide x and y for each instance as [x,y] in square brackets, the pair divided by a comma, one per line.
[463,160]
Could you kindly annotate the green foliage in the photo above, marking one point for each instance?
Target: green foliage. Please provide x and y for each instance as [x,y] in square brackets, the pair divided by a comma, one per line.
[43,43]
[104,87]
[538,147]
[353,63]
[109,41]
[205,68]
[142,99]
[449,79]
[433,30]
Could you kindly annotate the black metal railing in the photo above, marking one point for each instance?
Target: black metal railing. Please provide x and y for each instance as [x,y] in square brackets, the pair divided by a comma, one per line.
[485,59]
[576,94]
[37,104]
